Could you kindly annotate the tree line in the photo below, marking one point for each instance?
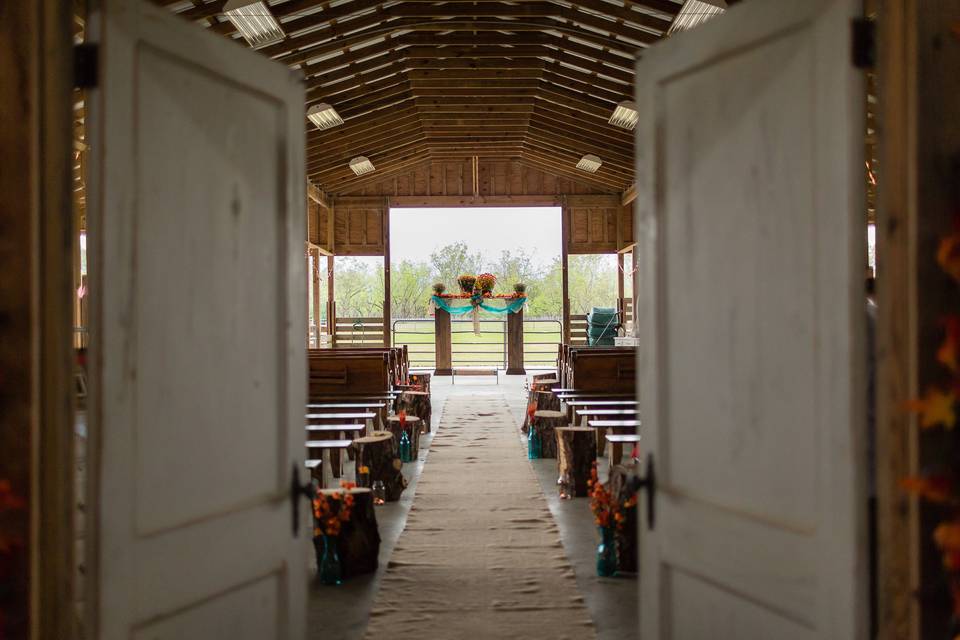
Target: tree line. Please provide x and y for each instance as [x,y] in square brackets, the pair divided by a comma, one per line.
[358,283]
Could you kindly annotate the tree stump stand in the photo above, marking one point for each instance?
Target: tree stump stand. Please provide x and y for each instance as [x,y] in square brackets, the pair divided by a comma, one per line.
[420,381]
[576,454]
[545,400]
[379,453]
[417,403]
[413,430]
[544,381]
[545,421]
[626,537]
[358,544]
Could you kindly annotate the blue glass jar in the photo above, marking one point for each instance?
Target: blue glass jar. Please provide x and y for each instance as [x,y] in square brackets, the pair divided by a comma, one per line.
[331,571]
[607,553]
[406,449]
[534,447]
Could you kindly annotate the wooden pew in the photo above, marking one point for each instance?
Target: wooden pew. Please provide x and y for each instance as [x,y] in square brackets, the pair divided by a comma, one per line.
[397,357]
[609,370]
[347,373]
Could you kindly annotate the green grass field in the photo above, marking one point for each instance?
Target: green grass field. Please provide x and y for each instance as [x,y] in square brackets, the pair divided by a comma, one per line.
[540,338]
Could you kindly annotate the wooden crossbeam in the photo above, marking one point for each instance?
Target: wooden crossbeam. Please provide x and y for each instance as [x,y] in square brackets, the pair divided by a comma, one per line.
[421,79]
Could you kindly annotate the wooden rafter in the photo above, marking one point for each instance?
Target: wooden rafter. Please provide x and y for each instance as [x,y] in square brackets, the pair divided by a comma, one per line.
[416,80]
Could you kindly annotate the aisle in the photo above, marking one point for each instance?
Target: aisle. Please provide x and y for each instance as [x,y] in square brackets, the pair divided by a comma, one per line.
[480,556]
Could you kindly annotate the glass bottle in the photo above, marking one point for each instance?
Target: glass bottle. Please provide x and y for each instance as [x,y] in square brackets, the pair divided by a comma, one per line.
[565,485]
[533,444]
[331,571]
[406,450]
[607,553]
[379,492]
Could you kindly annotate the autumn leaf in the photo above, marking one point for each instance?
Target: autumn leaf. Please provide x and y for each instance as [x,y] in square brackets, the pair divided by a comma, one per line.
[947,536]
[930,488]
[947,353]
[935,408]
[948,255]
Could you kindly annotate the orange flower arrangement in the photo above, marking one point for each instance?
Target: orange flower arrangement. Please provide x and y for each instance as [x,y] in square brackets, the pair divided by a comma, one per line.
[606,511]
[936,409]
[330,510]
[485,283]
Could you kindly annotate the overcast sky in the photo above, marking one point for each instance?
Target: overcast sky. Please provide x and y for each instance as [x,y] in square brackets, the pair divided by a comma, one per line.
[416,233]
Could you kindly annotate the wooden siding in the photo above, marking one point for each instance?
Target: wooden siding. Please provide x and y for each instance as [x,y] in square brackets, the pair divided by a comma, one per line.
[483,178]
[593,224]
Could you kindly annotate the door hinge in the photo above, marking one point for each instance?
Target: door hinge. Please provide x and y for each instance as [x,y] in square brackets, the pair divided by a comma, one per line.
[85,66]
[864,43]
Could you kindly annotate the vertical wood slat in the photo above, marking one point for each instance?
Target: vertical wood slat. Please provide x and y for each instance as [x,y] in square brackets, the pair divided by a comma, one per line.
[315,283]
[515,344]
[386,278]
[564,262]
[443,341]
[36,256]
[474,175]
[919,96]
[331,300]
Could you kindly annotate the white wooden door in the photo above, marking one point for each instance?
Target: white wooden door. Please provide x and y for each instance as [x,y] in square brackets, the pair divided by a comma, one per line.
[197,233]
[751,230]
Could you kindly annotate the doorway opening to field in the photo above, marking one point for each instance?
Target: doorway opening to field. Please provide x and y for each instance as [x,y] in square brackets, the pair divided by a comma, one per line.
[434,246]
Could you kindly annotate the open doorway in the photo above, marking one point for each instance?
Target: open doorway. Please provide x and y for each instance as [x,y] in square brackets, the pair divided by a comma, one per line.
[518,245]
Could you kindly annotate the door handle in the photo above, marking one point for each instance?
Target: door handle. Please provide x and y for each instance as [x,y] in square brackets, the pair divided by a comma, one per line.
[298,491]
[649,484]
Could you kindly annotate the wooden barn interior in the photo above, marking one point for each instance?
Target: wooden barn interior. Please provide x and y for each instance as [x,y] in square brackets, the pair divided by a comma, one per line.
[195,443]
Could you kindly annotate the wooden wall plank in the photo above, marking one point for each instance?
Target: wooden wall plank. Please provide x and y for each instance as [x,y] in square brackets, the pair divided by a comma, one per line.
[359,227]
[455,177]
[593,224]
[36,363]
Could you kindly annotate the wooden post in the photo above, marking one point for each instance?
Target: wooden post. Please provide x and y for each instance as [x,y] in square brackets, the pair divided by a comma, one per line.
[515,344]
[634,261]
[443,342]
[331,304]
[919,153]
[387,315]
[36,264]
[308,258]
[564,276]
[315,281]
[620,277]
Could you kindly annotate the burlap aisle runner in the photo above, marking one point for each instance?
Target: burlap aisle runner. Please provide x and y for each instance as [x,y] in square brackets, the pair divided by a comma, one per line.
[480,556]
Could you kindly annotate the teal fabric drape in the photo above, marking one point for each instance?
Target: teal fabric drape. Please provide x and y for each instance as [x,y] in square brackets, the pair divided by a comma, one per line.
[510,305]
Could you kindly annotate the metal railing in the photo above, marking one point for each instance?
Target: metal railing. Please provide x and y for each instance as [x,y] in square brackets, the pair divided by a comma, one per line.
[488,349]
[358,332]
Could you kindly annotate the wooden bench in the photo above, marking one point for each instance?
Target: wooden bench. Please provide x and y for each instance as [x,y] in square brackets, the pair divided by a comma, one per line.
[617,440]
[594,395]
[474,372]
[315,449]
[596,368]
[625,426]
[602,403]
[340,430]
[323,406]
[361,415]
[584,415]
[607,412]
[315,467]
[379,406]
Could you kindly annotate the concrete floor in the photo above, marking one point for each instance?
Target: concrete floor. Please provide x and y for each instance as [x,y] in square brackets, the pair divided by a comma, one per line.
[341,613]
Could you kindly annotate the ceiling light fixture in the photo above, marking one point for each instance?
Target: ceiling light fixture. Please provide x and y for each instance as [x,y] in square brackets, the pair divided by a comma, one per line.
[254,21]
[696,12]
[589,163]
[625,115]
[324,116]
[361,165]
